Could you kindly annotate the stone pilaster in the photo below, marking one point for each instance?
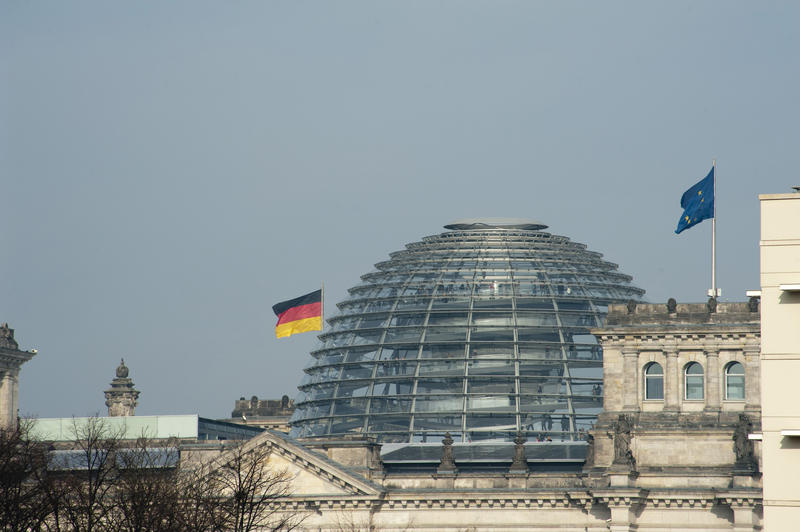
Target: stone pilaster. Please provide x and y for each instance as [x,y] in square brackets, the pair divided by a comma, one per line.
[713,402]
[671,381]
[752,378]
[630,379]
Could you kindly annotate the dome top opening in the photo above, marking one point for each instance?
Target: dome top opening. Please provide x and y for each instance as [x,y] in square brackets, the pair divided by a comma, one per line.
[475,224]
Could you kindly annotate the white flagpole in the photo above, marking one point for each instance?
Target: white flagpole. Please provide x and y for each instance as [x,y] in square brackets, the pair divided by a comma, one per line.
[714,292]
[322,307]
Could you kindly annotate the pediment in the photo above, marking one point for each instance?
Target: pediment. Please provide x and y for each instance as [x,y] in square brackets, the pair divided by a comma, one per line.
[313,474]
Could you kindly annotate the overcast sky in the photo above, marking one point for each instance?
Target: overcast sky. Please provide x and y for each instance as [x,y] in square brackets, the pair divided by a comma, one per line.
[170,170]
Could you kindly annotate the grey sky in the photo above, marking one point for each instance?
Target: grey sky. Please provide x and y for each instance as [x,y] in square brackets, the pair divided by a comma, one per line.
[169,170]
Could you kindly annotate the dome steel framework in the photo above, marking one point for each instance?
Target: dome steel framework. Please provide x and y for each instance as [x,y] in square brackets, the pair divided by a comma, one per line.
[481,331]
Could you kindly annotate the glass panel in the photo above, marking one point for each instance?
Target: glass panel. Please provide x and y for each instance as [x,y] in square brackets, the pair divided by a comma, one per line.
[439,385]
[357,371]
[403,320]
[491,367]
[358,389]
[446,334]
[448,318]
[439,403]
[491,421]
[491,403]
[347,424]
[694,387]
[398,353]
[413,303]
[390,422]
[443,351]
[320,391]
[359,355]
[529,319]
[367,337]
[503,385]
[654,369]
[391,369]
[654,382]
[491,334]
[441,368]
[734,382]
[400,387]
[391,404]
[408,334]
[540,334]
[369,322]
[349,406]
[498,319]
[482,351]
[446,422]
[486,304]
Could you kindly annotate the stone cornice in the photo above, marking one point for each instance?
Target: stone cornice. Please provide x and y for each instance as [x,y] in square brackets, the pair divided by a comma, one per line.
[576,499]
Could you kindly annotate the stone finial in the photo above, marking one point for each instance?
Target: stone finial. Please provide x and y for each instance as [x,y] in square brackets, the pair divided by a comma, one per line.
[752,303]
[672,305]
[631,305]
[448,463]
[520,463]
[711,305]
[122,369]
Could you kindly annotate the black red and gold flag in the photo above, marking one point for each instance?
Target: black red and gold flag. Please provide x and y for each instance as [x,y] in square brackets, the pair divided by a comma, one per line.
[298,315]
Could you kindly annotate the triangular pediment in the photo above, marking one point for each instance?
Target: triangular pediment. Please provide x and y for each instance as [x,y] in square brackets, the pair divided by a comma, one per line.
[312,474]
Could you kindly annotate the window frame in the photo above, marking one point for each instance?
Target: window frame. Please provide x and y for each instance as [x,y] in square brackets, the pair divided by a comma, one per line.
[651,377]
[727,374]
[694,376]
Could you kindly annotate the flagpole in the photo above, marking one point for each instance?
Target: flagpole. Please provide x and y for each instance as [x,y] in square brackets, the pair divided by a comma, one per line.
[322,306]
[714,236]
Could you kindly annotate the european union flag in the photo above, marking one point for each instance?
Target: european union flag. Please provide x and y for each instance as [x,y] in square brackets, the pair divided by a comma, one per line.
[697,203]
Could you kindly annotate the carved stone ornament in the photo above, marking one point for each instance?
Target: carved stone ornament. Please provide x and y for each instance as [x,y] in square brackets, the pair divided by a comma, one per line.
[712,305]
[631,306]
[520,463]
[752,303]
[742,445]
[622,441]
[448,463]
[7,337]
[672,305]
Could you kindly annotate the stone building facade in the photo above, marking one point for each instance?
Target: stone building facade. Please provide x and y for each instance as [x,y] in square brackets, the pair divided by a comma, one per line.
[11,359]
[674,455]
[270,414]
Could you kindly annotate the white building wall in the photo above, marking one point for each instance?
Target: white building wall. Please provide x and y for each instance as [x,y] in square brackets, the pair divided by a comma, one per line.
[780,359]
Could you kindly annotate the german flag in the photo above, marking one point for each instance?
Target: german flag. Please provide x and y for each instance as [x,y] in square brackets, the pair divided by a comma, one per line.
[298,315]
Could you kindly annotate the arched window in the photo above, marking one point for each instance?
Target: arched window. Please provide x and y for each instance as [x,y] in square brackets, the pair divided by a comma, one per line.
[653,381]
[734,382]
[693,381]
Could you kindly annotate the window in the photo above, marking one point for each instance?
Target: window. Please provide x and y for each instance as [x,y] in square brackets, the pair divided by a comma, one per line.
[693,382]
[653,381]
[734,382]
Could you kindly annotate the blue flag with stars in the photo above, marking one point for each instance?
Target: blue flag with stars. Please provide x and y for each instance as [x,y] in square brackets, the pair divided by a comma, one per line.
[697,203]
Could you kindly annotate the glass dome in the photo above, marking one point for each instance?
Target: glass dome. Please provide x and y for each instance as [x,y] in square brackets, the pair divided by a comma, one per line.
[480,331]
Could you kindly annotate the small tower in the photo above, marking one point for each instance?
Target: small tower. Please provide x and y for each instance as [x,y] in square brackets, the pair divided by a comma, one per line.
[121,398]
